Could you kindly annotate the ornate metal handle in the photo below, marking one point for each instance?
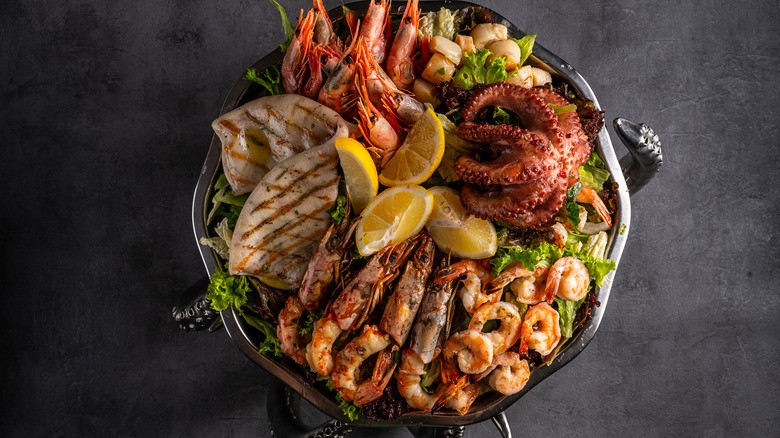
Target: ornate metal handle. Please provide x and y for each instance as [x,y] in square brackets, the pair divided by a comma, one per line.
[194,311]
[644,158]
[283,419]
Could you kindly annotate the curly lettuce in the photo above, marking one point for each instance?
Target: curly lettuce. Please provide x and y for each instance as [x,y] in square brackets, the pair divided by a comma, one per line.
[476,69]
[226,291]
[270,79]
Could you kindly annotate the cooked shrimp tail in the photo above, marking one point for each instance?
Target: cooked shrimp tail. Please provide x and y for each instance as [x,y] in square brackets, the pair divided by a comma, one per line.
[290,340]
[568,278]
[348,360]
[373,388]
[540,331]
[319,352]
[408,378]
[589,196]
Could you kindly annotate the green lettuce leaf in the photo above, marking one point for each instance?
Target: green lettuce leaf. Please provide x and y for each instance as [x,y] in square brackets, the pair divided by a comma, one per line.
[503,117]
[594,173]
[270,345]
[270,79]
[338,210]
[526,45]
[567,310]
[289,29]
[227,290]
[476,69]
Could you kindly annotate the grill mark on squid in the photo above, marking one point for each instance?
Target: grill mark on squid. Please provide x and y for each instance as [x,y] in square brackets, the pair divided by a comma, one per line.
[263,245]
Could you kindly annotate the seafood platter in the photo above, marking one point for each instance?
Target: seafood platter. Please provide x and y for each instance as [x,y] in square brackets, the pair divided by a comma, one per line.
[411,214]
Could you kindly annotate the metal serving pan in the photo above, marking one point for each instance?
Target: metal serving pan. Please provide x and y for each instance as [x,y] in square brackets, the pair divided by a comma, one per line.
[637,169]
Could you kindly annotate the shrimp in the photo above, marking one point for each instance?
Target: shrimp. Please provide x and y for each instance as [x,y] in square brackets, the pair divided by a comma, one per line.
[473,351]
[408,378]
[376,129]
[511,375]
[429,329]
[477,274]
[319,352]
[324,268]
[511,272]
[373,388]
[403,304]
[338,90]
[463,398]
[508,333]
[372,29]
[294,62]
[292,343]
[528,287]
[348,360]
[589,196]
[400,66]
[384,94]
[312,87]
[359,297]
[540,330]
[568,279]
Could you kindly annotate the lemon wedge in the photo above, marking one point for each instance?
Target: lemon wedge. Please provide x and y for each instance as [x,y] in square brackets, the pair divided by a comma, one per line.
[359,172]
[419,155]
[395,215]
[456,231]
[276,283]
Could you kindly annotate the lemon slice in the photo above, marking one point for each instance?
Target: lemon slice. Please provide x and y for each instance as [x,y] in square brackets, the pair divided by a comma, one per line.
[454,230]
[419,155]
[359,172]
[395,215]
[276,283]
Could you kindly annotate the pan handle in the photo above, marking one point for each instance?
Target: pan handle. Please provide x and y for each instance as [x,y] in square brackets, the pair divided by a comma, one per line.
[194,310]
[644,157]
[502,423]
[283,405]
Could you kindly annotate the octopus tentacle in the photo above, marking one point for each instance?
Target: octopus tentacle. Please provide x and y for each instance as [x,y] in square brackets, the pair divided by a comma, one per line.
[543,212]
[574,137]
[523,157]
[523,175]
[503,202]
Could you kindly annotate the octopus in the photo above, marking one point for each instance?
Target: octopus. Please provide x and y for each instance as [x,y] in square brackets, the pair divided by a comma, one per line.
[522,175]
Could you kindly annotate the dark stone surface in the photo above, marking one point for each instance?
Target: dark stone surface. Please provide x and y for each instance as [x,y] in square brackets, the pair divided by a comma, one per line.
[105,118]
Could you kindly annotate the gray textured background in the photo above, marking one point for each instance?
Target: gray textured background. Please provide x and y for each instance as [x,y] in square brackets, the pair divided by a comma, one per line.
[106,109]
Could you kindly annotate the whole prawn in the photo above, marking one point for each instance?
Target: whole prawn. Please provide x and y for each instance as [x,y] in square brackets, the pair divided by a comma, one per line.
[391,100]
[381,135]
[400,66]
[373,28]
[325,265]
[338,90]
[357,300]
[428,331]
[403,304]
[296,57]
